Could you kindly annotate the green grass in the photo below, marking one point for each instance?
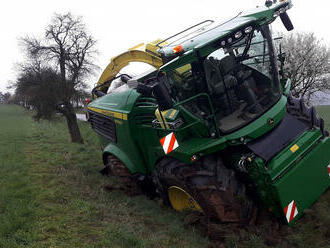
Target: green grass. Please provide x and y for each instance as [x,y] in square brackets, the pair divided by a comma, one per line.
[52,195]
[18,208]
[17,198]
[324,112]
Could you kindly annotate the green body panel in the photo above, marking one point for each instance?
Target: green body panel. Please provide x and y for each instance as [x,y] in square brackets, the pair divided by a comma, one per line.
[281,180]
[125,155]
[126,148]
[309,172]
[189,146]
[280,163]
[114,102]
[197,146]
[139,142]
[261,125]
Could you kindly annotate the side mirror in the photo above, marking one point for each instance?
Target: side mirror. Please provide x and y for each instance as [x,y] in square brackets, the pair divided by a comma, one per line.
[286,21]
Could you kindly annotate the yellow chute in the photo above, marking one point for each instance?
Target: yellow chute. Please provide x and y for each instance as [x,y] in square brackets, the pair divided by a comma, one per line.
[140,53]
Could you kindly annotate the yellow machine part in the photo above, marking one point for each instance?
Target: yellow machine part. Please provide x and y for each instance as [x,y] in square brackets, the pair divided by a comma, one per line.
[163,116]
[141,53]
[181,200]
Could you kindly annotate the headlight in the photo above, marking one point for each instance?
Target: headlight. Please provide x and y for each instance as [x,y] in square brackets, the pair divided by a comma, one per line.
[238,35]
[248,30]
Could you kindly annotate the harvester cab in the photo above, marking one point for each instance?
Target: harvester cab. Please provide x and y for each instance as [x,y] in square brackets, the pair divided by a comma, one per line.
[213,127]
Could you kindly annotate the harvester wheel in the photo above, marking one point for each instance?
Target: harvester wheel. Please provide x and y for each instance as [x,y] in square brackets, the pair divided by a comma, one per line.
[298,108]
[212,189]
[118,169]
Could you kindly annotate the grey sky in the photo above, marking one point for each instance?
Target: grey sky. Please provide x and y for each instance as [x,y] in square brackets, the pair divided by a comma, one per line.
[121,24]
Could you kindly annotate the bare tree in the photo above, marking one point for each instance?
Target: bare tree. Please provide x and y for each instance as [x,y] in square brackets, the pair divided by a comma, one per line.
[69,47]
[307,64]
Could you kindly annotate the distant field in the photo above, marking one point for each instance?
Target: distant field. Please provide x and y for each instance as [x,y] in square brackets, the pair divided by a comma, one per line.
[324,112]
[52,195]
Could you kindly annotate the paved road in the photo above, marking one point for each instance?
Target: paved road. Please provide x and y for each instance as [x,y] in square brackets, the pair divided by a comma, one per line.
[81,117]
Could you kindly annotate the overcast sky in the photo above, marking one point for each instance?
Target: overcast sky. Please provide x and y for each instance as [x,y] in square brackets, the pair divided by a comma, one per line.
[121,24]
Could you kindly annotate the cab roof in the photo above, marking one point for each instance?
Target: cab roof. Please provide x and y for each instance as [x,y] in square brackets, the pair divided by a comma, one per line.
[210,32]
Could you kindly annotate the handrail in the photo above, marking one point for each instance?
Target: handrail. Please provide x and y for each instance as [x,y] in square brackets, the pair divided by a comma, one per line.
[211,107]
[187,29]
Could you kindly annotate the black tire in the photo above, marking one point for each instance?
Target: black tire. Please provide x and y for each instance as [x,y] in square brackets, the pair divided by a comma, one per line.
[115,167]
[215,188]
[298,108]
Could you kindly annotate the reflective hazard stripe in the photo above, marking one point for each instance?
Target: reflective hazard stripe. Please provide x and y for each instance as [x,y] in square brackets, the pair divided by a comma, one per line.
[169,143]
[329,170]
[291,211]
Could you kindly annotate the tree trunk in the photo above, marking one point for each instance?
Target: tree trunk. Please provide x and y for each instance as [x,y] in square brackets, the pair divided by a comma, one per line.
[71,120]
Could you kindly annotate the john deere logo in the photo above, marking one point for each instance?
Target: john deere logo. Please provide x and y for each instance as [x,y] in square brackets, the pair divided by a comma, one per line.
[271,121]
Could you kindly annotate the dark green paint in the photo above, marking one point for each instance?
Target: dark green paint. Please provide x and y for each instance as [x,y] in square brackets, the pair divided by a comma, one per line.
[301,176]
[306,180]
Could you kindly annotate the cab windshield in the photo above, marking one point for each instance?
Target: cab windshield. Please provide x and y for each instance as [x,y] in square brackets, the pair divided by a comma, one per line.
[241,80]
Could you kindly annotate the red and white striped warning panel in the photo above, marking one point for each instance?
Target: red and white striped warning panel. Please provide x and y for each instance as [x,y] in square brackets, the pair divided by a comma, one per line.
[169,143]
[291,211]
[329,170]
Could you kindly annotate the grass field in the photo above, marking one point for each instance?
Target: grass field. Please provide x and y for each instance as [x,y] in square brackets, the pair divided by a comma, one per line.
[52,195]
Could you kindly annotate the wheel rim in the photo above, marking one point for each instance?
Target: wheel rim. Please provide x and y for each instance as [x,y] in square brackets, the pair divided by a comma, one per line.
[181,200]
